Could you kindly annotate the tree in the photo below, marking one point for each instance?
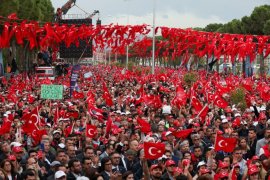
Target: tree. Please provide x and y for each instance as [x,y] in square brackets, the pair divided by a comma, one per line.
[258,18]
[266,28]
[213,27]
[8,7]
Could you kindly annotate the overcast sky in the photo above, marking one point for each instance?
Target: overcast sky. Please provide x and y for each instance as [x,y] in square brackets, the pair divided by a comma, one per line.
[170,13]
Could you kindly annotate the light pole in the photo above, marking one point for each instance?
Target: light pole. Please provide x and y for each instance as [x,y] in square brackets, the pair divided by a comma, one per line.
[153,43]
[127,48]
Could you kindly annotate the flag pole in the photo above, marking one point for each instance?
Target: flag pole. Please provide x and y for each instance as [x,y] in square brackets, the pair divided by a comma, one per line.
[215,140]
[153,43]
[202,110]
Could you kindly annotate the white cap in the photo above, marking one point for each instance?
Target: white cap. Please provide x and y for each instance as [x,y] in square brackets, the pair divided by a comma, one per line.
[127,112]
[201,163]
[132,105]
[56,131]
[168,133]
[118,112]
[61,145]
[166,109]
[224,120]
[48,124]
[55,163]
[223,117]
[161,123]
[237,115]
[59,174]
[263,108]
[15,144]
[123,113]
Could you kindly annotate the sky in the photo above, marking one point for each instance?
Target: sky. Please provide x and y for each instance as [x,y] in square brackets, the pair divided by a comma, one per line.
[169,13]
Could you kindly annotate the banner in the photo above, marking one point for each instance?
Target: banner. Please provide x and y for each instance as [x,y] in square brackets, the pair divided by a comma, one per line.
[52,91]
[74,77]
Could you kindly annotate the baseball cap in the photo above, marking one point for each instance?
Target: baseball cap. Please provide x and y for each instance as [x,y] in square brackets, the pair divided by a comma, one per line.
[17,149]
[168,133]
[204,171]
[224,120]
[62,145]
[169,163]
[56,131]
[54,163]
[12,157]
[223,165]
[154,166]
[201,163]
[237,115]
[59,174]
[252,169]
[223,174]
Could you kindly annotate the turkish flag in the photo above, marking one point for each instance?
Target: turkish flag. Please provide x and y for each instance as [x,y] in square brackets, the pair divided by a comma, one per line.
[91,130]
[106,95]
[37,134]
[225,144]
[196,104]
[78,95]
[203,112]
[182,134]
[73,114]
[220,102]
[153,150]
[96,112]
[144,126]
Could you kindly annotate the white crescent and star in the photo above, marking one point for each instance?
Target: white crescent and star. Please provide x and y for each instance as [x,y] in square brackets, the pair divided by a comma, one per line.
[221,144]
[150,151]
[90,132]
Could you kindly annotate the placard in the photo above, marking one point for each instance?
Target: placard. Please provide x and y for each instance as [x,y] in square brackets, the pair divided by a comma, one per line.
[51,91]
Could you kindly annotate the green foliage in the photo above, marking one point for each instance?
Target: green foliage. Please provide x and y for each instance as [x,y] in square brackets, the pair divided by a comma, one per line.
[238,97]
[266,28]
[212,27]
[190,77]
[8,6]
[258,18]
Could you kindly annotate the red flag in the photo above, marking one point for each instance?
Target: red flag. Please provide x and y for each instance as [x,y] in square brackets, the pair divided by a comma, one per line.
[78,95]
[203,112]
[108,126]
[144,126]
[5,128]
[106,95]
[37,134]
[91,130]
[96,112]
[73,114]
[56,115]
[31,121]
[196,103]
[183,134]
[153,150]
[220,102]
[225,144]
[69,130]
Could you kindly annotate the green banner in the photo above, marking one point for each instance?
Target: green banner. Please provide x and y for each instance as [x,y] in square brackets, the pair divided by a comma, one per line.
[51,91]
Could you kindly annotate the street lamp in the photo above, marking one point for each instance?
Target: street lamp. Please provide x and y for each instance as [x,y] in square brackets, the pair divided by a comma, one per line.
[127,48]
[153,43]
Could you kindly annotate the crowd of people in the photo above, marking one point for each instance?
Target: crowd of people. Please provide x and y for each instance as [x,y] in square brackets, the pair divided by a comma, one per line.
[60,146]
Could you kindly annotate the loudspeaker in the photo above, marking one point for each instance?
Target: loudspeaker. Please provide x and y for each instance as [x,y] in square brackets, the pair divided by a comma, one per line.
[85,46]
